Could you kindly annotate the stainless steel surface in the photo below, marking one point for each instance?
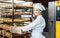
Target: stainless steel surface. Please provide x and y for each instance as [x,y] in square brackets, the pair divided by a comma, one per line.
[12,11]
[52,19]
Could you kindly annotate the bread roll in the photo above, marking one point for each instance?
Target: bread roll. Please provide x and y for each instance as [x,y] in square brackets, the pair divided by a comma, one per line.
[5,26]
[8,34]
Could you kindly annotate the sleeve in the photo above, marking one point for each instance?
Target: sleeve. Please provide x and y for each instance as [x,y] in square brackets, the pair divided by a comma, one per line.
[31,25]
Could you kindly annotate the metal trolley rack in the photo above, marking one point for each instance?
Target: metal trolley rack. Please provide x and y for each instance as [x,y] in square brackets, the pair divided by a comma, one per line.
[14,14]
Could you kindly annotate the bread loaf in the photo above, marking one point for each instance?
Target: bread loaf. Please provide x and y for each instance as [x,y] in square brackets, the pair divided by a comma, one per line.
[15,20]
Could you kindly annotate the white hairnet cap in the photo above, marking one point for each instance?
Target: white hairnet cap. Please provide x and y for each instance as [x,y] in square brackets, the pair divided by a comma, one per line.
[38,6]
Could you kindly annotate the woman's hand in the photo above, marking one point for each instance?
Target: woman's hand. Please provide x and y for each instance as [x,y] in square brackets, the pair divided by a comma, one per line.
[16,29]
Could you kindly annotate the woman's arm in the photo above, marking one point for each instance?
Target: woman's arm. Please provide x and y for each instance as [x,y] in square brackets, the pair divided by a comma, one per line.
[32,25]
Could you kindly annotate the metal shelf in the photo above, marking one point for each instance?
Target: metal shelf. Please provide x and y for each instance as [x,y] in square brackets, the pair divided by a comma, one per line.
[13,20]
[15,7]
[6,2]
[17,13]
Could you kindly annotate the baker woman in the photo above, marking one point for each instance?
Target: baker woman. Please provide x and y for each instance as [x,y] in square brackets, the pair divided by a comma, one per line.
[38,25]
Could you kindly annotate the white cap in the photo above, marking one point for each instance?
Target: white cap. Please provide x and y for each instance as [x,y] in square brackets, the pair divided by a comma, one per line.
[38,6]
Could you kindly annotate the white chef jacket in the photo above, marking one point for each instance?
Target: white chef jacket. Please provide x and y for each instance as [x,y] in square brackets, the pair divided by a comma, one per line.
[36,26]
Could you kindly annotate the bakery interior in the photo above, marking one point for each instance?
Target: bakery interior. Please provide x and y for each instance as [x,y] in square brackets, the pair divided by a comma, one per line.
[20,13]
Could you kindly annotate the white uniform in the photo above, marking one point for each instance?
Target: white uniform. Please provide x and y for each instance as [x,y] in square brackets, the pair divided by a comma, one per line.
[36,26]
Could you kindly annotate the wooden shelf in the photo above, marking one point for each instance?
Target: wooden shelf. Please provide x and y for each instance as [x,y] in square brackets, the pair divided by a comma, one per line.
[15,20]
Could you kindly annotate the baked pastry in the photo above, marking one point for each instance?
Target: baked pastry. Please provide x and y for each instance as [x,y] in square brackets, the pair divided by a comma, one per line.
[8,34]
[6,19]
[5,26]
[15,20]
[21,20]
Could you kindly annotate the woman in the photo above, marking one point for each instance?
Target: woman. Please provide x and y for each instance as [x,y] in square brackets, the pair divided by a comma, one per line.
[38,25]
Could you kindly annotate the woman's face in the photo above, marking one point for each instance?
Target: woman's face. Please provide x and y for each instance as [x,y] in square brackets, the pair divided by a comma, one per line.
[37,12]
